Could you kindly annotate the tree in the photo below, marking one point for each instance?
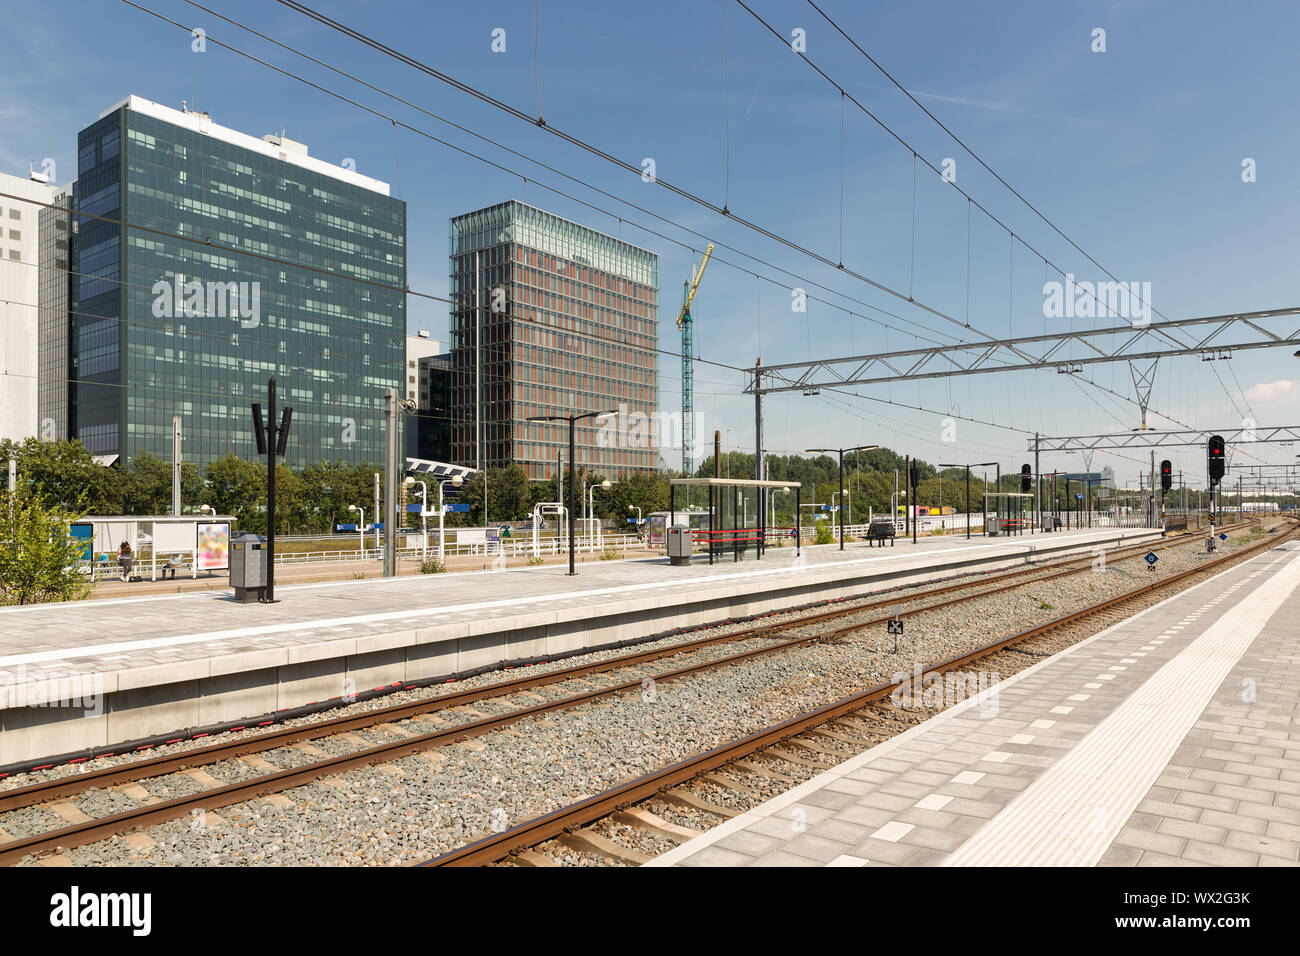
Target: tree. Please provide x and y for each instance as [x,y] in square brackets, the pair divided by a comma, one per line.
[38,557]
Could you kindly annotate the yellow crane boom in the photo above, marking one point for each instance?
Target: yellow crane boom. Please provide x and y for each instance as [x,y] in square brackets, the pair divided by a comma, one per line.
[694,287]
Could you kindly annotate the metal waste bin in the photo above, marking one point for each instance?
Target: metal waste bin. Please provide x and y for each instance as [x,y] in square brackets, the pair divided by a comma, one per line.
[994,524]
[248,566]
[680,544]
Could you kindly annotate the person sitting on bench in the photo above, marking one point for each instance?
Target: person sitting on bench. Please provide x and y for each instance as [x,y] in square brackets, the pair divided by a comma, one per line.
[125,558]
[172,565]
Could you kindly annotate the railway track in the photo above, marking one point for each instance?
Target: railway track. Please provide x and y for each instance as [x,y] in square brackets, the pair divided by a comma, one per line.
[573,825]
[215,797]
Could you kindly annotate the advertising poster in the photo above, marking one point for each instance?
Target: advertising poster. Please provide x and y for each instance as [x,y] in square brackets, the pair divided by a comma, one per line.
[83,534]
[213,547]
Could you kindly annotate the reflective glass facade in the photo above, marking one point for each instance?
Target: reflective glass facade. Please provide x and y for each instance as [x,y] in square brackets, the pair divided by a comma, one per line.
[570,320]
[164,327]
[57,235]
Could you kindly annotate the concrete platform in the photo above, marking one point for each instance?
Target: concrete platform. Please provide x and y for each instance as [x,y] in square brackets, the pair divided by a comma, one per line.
[1171,739]
[151,665]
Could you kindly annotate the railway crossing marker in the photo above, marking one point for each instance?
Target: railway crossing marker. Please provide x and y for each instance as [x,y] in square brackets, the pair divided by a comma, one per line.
[895,627]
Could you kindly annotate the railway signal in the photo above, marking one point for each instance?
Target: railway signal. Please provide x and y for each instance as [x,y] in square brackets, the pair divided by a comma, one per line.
[1166,475]
[1026,479]
[1215,456]
[1215,464]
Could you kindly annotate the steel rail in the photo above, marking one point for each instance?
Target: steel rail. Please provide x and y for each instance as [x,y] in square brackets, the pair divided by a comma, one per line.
[529,834]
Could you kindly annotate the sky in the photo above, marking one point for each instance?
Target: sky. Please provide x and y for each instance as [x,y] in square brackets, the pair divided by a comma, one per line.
[1135,153]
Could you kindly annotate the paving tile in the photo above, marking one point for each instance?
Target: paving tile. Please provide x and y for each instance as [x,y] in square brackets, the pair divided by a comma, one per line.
[1263,845]
[1120,856]
[817,847]
[748,842]
[1218,855]
[717,856]
[1193,831]
[1159,842]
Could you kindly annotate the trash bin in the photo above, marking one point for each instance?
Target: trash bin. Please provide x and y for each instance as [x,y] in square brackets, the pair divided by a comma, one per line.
[680,544]
[994,524]
[248,566]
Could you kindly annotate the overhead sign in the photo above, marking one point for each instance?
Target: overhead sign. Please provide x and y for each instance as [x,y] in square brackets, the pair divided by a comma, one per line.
[455,507]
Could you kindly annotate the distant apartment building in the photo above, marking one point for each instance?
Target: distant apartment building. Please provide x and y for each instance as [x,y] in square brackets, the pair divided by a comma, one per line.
[568,319]
[22,201]
[185,310]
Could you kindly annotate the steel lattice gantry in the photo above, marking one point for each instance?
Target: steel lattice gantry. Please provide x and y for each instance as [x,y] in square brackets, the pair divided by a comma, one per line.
[1158,439]
[1210,337]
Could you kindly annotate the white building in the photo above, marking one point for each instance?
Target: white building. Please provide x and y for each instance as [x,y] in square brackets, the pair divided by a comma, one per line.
[419,346]
[19,300]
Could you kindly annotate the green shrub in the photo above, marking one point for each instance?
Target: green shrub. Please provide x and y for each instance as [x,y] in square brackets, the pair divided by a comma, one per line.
[609,554]
[824,534]
[432,566]
[536,559]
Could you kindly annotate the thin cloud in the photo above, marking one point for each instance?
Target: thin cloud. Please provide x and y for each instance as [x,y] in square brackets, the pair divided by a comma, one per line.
[1281,392]
[1007,108]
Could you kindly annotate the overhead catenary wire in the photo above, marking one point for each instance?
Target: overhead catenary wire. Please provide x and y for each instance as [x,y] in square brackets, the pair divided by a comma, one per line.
[759,277]
[525,179]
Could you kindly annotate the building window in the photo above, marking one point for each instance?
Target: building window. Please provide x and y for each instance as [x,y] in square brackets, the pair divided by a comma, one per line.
[15,235]
[15,255]
[15,214]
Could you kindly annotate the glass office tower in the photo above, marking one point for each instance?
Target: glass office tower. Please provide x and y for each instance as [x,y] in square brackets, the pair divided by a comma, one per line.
[570,324]
[163,326]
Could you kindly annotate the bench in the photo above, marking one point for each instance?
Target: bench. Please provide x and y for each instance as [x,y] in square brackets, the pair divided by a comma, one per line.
[880,531]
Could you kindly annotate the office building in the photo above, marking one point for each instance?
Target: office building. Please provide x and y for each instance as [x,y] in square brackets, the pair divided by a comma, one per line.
[167,321]
[22,200]
[569,324]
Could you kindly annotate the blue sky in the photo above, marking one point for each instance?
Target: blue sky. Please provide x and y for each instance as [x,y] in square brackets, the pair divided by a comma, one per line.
[1135,153]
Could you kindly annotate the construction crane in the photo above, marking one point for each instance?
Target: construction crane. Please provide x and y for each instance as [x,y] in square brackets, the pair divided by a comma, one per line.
[685,323]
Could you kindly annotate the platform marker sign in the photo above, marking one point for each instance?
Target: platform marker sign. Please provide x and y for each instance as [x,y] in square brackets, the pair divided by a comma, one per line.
[1223,537]
[1151,560]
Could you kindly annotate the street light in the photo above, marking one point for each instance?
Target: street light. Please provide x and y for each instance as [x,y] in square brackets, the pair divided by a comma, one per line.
[978,464]
[771,500]
[591,503]
[841,452]
[573,463]
[410,482]
[361,527]
[456,482]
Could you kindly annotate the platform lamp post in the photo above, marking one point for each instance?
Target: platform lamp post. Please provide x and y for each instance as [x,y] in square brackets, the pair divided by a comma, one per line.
[977,464]
[573,471]
[591,505]
[361,527]
[840,452]
[456,482]
[410,482]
